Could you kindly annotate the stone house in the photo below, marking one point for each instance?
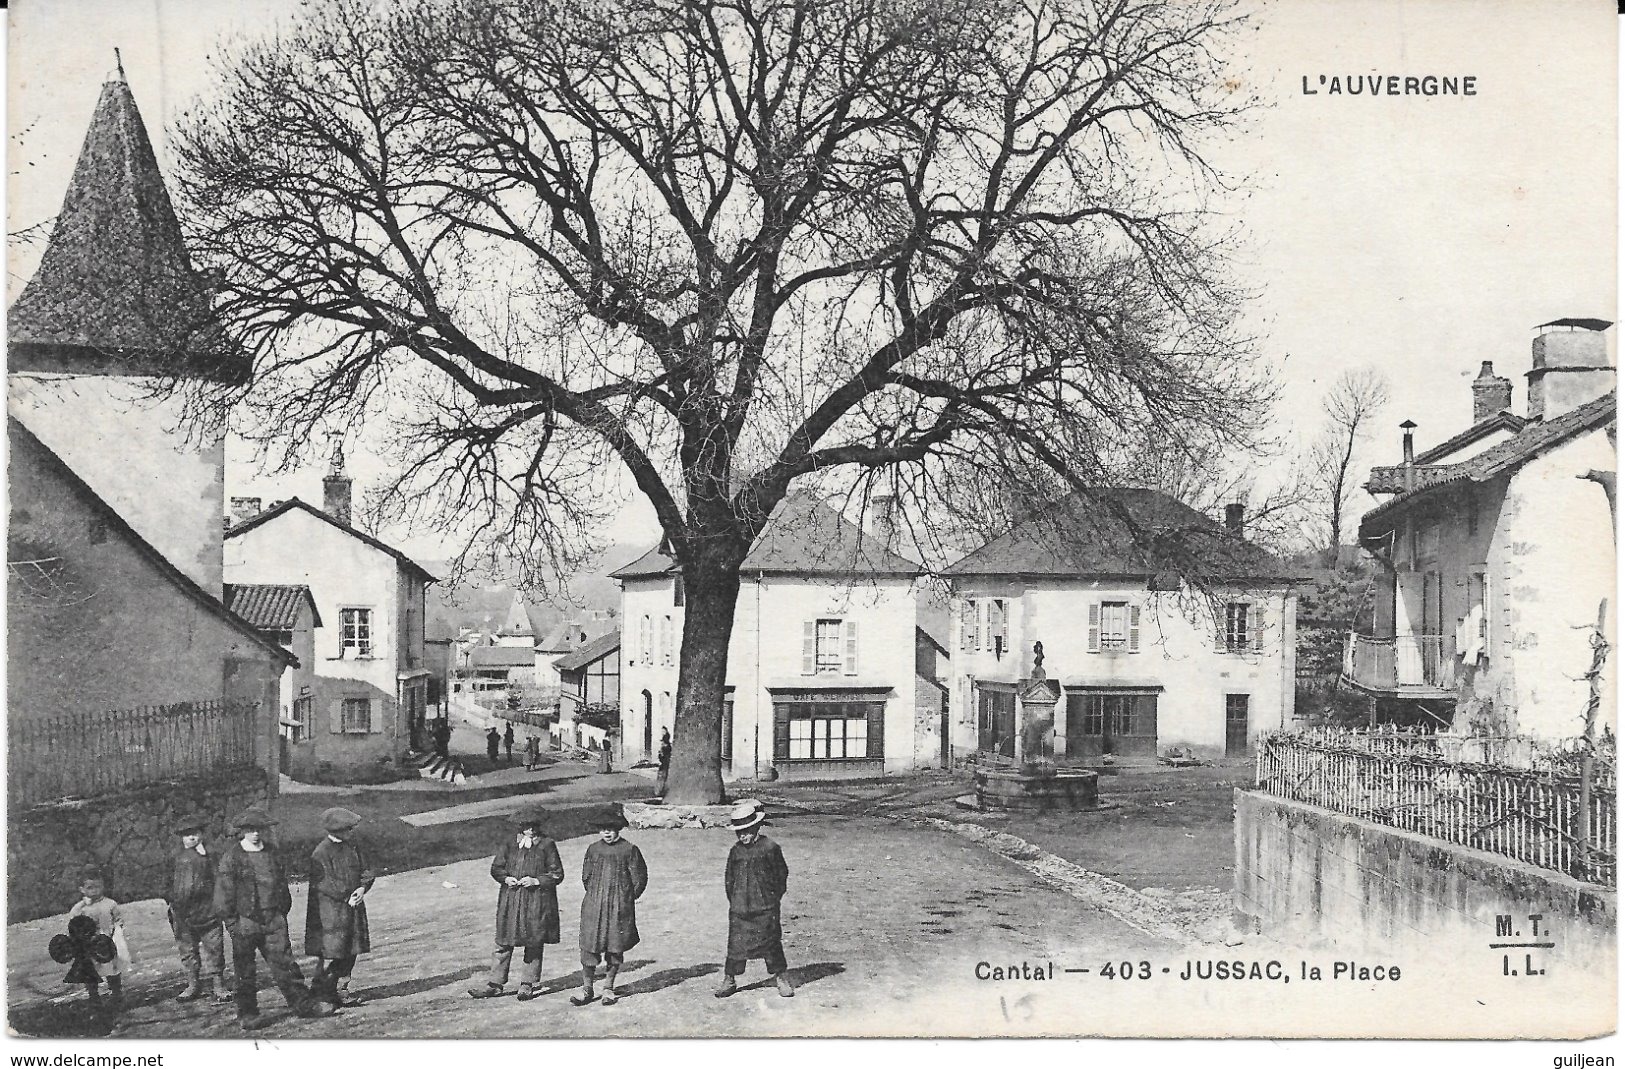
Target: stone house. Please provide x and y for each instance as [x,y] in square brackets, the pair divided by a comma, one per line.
[371,676]
[821,667]
[591,676]
[131,687]
[1495,548]
[1163,628]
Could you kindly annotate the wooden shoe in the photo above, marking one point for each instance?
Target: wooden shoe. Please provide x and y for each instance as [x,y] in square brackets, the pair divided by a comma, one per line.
[728,987]
[610,997]
[586,998]
[786,988]
[488,991]
[526,993]
[192,992]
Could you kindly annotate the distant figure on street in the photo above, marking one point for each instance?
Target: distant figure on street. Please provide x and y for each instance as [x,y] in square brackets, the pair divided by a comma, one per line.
[199,936]
[665,762]
[528,870]
[251,896]
[335,911]
[533,753]
[493,743]
[615,876]
[755,880]
[442,736]
[507,741]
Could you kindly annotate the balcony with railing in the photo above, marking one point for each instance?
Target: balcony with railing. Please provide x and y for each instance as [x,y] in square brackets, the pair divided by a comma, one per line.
[1416,665]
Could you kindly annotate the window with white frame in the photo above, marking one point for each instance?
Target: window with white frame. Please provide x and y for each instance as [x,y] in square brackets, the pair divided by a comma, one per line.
[355,630]
[827,649]
[1114,625]
[665,640]
[1242,627]
[645,650]
[356,717]
[828,731]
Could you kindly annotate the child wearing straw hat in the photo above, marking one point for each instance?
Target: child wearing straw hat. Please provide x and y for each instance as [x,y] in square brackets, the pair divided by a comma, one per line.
[336,911]
[528,871]
[755,880]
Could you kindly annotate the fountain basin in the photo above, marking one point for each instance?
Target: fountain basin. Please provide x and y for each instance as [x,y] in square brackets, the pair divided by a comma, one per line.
[1037,790]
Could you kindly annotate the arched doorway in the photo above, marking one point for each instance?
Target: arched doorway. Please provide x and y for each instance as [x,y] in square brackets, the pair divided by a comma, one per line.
[648,726]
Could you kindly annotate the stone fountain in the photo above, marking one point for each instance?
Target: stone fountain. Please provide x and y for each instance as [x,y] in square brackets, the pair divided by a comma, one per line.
[1036,783]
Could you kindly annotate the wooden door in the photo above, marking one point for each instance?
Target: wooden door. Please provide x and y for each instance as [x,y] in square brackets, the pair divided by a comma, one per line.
[996,721]
[1235,724]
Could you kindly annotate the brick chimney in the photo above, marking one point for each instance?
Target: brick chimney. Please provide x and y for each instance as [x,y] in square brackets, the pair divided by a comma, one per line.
[1491,393]
[1235,518]
[1570,366]
[336,489]
[244,509]
[883,520]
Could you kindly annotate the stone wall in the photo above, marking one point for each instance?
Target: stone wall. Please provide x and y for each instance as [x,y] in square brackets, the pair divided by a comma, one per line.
[1309,877]
[128,836]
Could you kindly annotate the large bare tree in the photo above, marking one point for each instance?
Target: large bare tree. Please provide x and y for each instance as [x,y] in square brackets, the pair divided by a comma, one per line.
[1349,410]
[724,247]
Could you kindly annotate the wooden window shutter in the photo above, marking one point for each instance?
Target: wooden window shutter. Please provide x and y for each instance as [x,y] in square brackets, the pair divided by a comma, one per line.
[851,659]
[984,623]
[375,716]
[1094,627]
[1134,629]
[1255,625]
[781,731]
[335,716]
[877,729]
[809,649]
[966,624]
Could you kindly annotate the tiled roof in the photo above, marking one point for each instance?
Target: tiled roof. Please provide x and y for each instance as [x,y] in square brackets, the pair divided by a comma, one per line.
[180,580]
[805,536]
[502,657]
[1504,455]
[115,284]
[1506,421]
[294,503]
[1122,531]
[271,606]
[600,647]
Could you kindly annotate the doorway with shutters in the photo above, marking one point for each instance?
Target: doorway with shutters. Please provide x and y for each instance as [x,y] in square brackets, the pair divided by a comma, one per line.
[1236,709]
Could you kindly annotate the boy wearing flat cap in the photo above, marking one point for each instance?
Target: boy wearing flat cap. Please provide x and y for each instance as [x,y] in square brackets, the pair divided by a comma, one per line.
[251,896]
[528,871]
[756,879]
[199,935]
[614,875]
[336,911]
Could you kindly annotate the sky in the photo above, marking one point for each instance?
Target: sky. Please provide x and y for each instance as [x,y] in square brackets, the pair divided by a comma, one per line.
[1414,235]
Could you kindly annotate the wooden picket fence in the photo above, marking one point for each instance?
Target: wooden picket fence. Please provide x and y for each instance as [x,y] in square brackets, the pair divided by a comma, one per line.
[84,755]
[1526,812]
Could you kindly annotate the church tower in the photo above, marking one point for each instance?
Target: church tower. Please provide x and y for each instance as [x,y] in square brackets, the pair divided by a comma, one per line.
[114,314]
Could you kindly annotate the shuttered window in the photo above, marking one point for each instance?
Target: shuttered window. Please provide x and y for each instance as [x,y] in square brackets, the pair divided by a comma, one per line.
[829,646]
[355,716]
[828,731]
[355,632]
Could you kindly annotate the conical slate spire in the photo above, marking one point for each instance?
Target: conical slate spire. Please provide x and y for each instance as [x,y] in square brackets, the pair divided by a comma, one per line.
[115,291]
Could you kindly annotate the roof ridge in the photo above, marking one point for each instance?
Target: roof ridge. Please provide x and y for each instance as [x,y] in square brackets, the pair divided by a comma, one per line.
[284,507]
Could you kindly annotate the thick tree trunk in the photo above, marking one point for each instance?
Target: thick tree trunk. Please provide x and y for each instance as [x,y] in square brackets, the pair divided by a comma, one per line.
[711,589]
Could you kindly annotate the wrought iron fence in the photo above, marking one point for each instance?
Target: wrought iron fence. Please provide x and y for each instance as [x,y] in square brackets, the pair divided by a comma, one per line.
[1439,786]
[83,755]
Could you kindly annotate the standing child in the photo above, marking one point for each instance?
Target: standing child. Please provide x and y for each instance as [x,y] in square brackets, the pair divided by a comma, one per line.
[94,904]
[199,935]
[251,896]
[533,753]
[507,741]
[756,880]
[614,875]
[528,870]
[336,911]
[493,743]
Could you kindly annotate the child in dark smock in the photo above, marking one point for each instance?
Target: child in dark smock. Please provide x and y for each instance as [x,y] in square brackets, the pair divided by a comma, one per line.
[614,875]
[528,870]
[756,880]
